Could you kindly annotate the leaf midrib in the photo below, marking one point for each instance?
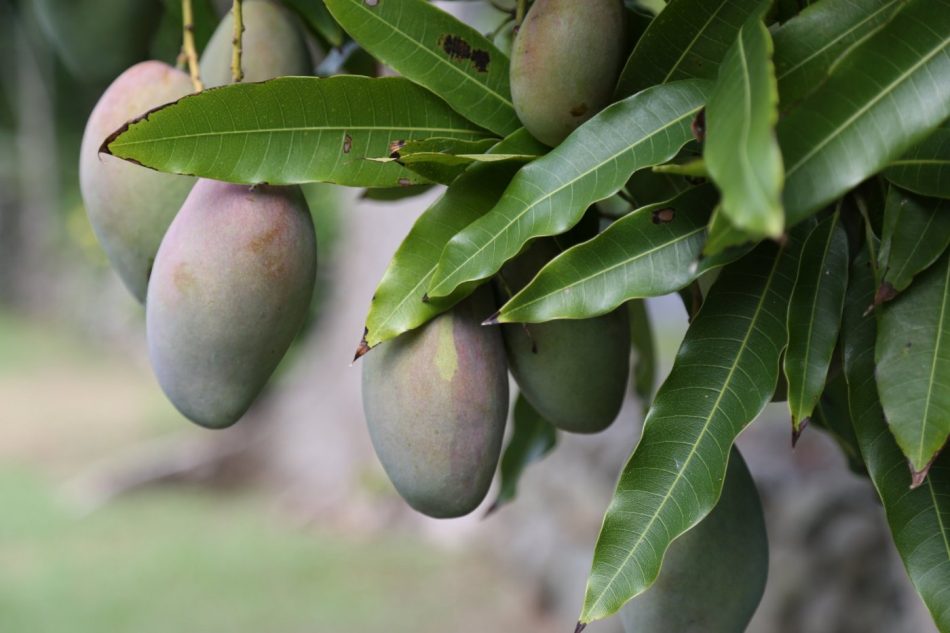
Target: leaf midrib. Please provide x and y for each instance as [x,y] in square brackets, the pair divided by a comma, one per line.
[933,365]
[693,450]
[428,51]
[688,49]
[570,183]
[864,109]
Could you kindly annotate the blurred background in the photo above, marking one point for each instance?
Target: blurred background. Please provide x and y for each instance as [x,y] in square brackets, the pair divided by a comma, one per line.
[116,514]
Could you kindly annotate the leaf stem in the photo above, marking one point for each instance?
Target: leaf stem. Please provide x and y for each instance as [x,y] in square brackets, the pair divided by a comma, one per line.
[237,72]
[188,43]
[520,10]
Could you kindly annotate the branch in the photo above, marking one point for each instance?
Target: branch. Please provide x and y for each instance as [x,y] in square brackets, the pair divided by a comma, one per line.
[237,73]
[188,43]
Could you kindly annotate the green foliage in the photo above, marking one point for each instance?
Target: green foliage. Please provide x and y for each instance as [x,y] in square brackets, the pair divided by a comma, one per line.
[863,87]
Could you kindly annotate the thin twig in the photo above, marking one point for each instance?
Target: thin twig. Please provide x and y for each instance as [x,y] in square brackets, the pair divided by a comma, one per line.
[188,43]
[237,72]
[520,10]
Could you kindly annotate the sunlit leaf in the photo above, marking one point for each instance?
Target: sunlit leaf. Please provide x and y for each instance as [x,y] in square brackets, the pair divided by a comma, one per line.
[814,316]
[925,169]
[808,44]
[549,195]
[723,376]
[435,50]
[913,365]
[918,518]
[646,253]
[686,40]
[741,152]
[397,304]
[292,130]
[887,94]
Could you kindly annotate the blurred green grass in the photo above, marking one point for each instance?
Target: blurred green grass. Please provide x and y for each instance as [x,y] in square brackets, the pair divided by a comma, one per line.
[184,559]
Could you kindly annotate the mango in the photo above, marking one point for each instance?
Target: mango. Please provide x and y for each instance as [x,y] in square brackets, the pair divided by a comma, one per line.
[130,207]
[272,46]
[565,63]
[574,372]
[713,577]
[96,39]
[230,290]
[436,402]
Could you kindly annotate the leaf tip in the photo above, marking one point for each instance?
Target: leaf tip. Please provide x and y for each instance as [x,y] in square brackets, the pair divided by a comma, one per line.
[492,509]
[580,627]
[363,348]
[885,293]
[797,429]
[493,319]
[917,477]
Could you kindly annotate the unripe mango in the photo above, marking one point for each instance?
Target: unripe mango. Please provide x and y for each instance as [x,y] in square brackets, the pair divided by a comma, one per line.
[272,46]
[573,372]
[713,576]
[436,402]
[565,63]
[130,207]
[230,290]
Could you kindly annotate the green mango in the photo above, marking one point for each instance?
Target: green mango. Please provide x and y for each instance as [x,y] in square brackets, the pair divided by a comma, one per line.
[272,46]
[565,63]
[230,290]
[573,372]
[96,39]
[130,207]
[436,402]
[713,576]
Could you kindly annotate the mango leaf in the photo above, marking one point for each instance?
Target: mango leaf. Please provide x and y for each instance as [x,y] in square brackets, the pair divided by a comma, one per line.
[435,50]
[834,417]
[646,253]
[533,438]
[724,235]
[741,153]
[686,40]
[315,14]
[397,304]
[916,232]
[925,169]
[814,317]
[291,130]
[550,195]
[913,366]
[444,160]
[723,376]
[918,518]
[887,94]
[644,348]
[808,44]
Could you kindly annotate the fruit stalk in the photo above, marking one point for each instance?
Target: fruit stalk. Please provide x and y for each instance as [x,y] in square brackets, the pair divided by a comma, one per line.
[188,43]
[237,73]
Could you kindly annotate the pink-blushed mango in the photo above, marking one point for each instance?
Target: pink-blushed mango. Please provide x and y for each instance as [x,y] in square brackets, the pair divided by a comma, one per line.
[573,372]
[436,402]
[712,577]
[131,207]
[565,63]
[272,46]
[230,290]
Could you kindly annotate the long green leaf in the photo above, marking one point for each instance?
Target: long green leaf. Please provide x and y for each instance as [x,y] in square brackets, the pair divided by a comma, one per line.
[916,232]
[724,235]
[550,195]
[533,437]
[723,376]
[646,253]
[292,130]
[435,50]
[925,169]
[741,152]
[919,519]
[397,304]
[814,317]
[887,94]
[643,375]
[808,44]
[318,19]
[686,40]
[913,366]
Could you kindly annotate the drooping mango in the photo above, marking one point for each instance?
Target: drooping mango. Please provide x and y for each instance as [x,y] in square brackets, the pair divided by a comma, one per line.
[565,63]
[574,372]
[272,46]
[230,290]
[436,402]
[712,577]
[130,207]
